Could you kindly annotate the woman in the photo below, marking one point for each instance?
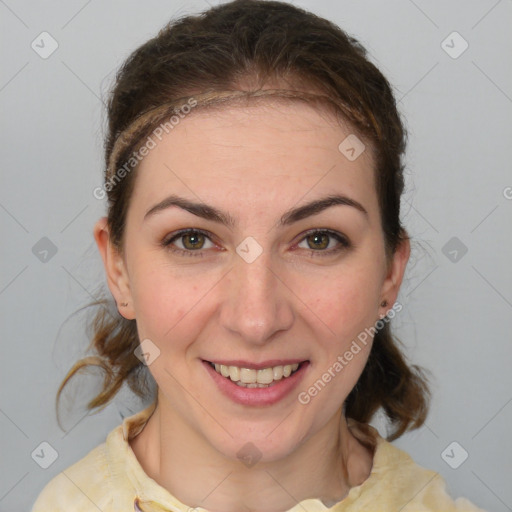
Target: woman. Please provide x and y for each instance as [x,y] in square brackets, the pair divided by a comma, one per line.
[254,250]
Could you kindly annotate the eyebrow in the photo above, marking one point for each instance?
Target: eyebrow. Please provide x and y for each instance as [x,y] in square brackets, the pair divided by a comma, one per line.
[295,214]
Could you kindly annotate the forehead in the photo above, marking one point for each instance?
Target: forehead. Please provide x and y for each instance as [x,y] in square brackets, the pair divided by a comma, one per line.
[280,151]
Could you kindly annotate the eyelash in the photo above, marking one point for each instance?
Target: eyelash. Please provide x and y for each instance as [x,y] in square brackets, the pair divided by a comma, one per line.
[343,242]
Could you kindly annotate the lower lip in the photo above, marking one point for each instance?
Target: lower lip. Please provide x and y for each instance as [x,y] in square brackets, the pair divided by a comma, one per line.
[257,396]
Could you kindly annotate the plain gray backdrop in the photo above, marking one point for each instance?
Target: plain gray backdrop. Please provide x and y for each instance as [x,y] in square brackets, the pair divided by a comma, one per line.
[449,63]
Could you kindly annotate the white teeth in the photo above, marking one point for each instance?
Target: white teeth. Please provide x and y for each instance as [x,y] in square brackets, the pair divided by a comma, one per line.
[247,376]
[278,372]
[251,378]
[234,373]
[265,376]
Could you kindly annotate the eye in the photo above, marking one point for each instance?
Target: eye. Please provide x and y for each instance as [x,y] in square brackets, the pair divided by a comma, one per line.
[323,242]
[188,242]
[191,242]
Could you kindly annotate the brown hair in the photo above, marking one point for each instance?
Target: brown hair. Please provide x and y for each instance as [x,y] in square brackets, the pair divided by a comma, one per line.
[208,57]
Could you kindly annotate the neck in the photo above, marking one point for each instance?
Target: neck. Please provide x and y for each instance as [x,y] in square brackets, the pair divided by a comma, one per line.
[323,467]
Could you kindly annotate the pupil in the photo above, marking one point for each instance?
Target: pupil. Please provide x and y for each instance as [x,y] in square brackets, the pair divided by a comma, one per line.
[319,238]
[192,240]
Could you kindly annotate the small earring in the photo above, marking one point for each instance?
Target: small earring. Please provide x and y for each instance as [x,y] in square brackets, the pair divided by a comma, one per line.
[383,304]
[123,304]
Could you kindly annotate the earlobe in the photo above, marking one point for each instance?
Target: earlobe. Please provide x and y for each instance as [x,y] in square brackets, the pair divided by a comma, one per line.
[395,273]
[115,269]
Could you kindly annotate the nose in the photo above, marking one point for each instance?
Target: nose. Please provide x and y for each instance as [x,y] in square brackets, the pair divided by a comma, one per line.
[257,303]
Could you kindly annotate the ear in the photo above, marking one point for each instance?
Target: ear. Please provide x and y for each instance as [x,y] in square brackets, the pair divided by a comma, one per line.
[394,274]
[115,269]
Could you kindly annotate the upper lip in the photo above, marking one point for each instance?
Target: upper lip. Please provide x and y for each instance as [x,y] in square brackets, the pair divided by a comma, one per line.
[257,366]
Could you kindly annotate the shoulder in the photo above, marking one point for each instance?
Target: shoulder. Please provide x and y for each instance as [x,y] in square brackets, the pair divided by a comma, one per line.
[397,482]
[413,488]
[102,480]
[81,487]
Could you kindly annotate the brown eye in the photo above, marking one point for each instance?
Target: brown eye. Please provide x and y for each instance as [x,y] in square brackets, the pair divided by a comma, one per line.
[318,241]
[189,242]
[324,242]
[193,240]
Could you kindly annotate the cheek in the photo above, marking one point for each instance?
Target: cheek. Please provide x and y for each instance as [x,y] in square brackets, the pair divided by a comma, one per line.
[169,302]
[344,302]
[160,301]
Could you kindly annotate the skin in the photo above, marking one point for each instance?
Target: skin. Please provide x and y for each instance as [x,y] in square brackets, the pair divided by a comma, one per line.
[255,163]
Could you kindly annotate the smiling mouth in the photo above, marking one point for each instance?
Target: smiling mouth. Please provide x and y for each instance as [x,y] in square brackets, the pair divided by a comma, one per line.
[251,378]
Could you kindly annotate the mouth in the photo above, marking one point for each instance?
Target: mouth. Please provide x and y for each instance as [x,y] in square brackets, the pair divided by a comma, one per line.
[257,377]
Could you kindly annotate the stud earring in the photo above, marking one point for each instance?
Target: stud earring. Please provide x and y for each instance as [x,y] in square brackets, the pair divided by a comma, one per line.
[383,304]
[123,304]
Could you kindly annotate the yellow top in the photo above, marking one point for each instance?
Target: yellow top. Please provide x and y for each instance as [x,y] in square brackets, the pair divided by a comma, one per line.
[110,479]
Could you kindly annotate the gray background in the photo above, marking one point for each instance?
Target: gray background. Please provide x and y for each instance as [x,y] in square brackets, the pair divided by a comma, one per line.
[457,307]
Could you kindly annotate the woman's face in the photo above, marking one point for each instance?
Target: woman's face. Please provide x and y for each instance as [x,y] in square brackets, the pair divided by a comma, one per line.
[262,280]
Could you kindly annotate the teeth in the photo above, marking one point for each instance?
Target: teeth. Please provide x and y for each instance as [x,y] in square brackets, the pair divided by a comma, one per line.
[278,372]
[247,376]
[251,378]
[234,373]
[265,376]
